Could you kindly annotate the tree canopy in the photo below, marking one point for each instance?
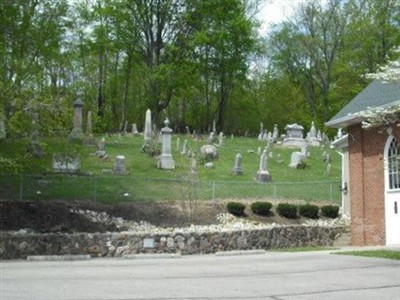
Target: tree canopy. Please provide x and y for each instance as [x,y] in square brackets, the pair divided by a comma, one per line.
[193,61]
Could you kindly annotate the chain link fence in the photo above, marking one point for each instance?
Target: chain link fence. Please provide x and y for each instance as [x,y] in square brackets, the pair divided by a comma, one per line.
[110,189]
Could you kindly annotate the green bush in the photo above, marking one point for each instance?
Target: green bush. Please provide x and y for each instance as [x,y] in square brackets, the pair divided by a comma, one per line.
[330,211]
[261,208]
[287,210]
[309,211]
[236,208]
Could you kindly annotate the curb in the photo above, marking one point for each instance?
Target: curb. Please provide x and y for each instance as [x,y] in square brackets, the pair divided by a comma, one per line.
[151,256]
[57,257]
[240,252]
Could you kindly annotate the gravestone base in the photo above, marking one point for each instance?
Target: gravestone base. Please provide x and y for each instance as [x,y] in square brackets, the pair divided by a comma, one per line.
[237,171]
[314,142]
[263,176]
[166,162]
[76,136]
[294,142]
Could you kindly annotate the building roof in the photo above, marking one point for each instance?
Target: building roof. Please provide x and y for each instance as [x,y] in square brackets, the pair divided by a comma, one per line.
[376,94]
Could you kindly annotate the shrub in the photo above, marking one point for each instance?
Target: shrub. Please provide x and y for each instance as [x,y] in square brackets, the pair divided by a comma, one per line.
[287,210]
[261,208]
[309,211]
[236,208]
[330,211]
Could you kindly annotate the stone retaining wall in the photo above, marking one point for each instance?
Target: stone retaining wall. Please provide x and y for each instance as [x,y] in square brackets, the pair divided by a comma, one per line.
[17,245]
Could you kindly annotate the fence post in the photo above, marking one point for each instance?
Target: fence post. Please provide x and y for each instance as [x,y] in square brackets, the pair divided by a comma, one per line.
[21,187]
[95,189]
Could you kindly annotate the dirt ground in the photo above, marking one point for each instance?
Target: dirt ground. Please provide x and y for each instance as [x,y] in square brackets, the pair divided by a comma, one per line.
[56,216]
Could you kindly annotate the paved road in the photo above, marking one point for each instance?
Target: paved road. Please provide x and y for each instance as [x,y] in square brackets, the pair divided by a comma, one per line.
[270,276]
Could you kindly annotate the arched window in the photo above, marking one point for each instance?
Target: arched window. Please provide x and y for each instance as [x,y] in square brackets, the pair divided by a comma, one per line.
[394,165]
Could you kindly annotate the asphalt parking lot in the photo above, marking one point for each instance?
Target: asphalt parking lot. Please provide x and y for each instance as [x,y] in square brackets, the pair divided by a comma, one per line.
[269,275]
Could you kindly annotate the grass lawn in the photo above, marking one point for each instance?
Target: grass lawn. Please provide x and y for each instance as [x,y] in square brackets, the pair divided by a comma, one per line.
[305,249]
[390,254]
[146,182]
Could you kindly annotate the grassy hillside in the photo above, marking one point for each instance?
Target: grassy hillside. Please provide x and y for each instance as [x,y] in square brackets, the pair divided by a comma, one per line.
[146,182]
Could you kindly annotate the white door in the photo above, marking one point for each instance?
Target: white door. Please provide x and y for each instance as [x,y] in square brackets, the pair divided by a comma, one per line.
[392,195]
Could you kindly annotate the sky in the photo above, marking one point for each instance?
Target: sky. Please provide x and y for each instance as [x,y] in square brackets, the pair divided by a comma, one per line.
[275,11]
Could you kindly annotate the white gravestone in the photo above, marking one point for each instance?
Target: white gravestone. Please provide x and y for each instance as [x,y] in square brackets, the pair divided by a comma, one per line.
[295,159]
[263,174]
[147,128]
[134,129]
[237,168]
[209,152]
[165,160]
[294,136]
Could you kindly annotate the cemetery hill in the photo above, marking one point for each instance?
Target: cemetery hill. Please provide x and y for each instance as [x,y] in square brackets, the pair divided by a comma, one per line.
[98,104]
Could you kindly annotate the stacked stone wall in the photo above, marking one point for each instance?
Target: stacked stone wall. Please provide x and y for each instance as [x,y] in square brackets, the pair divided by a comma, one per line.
[18,246]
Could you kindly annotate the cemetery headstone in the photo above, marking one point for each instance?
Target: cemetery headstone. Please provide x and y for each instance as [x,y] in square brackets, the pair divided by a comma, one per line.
[184,147]
[237,168]
[147,128]
[295,159]
[313,138]
[101,152]
[221,139]
[262,173]
[209,152]
[77,132]
[211,137]
[275,133]
[89,139]
[294,136]
[63,163]
[134,129]
[119,167]
[165,160]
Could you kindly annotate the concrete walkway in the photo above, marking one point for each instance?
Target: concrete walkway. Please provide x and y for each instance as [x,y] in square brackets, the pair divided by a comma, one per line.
[257,275]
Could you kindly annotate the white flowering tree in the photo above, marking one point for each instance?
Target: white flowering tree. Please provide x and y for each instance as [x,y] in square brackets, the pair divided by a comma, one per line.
[375,117]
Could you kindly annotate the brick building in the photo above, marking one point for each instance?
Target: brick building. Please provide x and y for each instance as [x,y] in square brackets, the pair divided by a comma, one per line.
[373,166]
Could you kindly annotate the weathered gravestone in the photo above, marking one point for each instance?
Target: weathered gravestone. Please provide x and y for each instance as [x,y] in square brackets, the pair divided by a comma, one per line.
[89,139]
[296,159]
[209,152]
[134,129]
[237,168]
[184,147]
[313,138]
[294,136]
[263,174]
[275,133]
[77,132]
[64,163]
[119,166]
[165,160]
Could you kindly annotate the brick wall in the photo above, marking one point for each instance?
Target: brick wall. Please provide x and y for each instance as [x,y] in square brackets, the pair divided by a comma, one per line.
[367,185]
